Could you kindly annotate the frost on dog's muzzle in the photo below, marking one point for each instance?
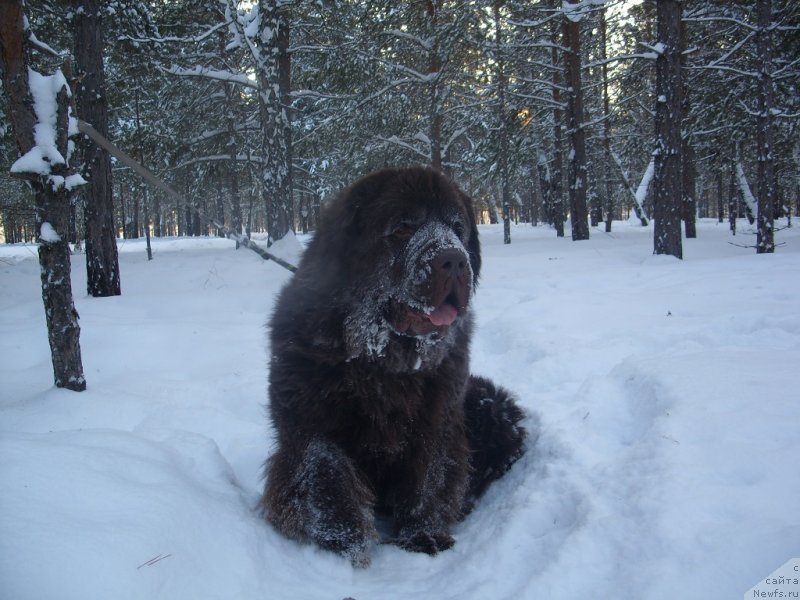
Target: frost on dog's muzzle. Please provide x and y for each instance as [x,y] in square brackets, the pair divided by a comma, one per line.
[438,278]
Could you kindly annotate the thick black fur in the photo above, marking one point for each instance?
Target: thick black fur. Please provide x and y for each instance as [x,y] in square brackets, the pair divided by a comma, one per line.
[370,393]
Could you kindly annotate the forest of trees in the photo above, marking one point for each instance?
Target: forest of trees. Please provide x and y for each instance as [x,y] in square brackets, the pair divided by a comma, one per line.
[543,111]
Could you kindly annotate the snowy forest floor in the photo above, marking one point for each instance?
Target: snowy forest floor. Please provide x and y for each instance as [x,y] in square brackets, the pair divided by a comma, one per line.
[664,393]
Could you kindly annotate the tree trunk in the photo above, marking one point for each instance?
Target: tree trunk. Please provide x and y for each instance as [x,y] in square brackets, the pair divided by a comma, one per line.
[435,88]
[233,168]
[285,85]
[766,169]
[689,204]
[102,263]
[63,330]
[606,125]
[733,203]
[52,199]
[667,179]
[502,124]
[272,74]
[689,185]
[577,134]
[556,210]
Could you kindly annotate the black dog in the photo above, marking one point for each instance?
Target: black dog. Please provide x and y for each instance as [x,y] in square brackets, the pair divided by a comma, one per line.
[370,393]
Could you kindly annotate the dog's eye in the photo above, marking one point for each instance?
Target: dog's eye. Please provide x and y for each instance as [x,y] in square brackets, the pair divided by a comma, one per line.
[403,230]
[458,229]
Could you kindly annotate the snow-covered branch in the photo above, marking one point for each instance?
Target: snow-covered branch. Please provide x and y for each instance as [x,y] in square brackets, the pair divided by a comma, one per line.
[714,19]
[423,43]
[38,44]
[192,39]
[403,144]
[216,74]
[620,58]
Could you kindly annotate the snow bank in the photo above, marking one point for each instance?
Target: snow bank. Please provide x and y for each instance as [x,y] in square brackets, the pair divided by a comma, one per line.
[663,401]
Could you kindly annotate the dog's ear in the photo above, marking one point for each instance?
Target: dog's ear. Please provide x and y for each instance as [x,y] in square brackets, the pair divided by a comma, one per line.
[474,244]
[342,219]
[359,195]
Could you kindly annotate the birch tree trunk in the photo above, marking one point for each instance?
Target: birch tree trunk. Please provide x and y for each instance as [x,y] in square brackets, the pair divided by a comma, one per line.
[102,262]
[667,180]
[51,183]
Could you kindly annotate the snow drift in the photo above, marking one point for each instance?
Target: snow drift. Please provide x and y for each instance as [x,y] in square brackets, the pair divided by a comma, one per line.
[663,392]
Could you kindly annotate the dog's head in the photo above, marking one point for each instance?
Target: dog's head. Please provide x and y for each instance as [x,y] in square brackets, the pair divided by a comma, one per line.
[408,260]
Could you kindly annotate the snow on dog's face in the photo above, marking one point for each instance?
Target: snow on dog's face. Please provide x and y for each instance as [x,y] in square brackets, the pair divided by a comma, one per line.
[412,260]
[434,280]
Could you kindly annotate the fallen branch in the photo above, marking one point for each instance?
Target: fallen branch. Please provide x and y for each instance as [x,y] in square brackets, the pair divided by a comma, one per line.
[753,246]
[154,560]
[148,176]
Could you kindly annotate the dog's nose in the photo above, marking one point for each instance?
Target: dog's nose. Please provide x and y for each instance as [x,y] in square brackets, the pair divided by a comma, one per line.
[450,262]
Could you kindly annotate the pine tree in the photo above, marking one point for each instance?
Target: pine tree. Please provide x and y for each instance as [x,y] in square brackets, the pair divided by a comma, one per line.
[764,139]
[34,100]
[102,263]
[578,182]
[667,180]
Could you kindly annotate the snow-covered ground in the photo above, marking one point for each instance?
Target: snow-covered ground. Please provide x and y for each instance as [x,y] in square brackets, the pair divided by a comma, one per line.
[667,463]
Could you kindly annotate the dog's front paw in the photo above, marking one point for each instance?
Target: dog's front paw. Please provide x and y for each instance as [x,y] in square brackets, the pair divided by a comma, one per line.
[425,541]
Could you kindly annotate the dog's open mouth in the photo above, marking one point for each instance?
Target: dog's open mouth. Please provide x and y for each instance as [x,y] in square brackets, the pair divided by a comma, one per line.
[444,315]
[422,322]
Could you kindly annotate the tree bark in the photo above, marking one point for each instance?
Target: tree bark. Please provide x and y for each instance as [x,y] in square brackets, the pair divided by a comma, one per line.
[435,65]
[102,262]
[556,210]
[606,125]
[667,180]
[502,124]
[52,201]
[63,330]
[766,169]
[689,183]
[233,170]
[273,79]
[577,134]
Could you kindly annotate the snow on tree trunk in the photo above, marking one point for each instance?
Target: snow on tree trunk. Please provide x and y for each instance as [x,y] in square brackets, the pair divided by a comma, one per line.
[273,56]
[766,169]
[39,114]
[102,263]
[63,330]
[667,179]
[573,14]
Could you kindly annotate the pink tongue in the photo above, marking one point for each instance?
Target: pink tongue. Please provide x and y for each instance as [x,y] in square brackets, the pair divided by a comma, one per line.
[444,315]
